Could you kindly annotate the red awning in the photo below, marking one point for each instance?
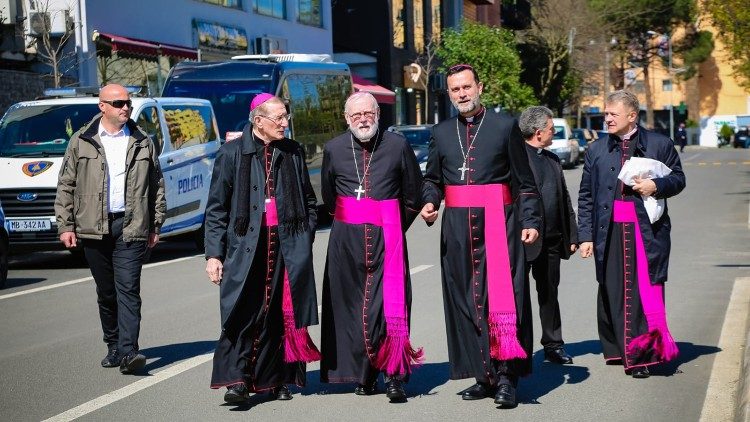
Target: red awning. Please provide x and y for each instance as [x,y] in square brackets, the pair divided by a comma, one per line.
[381,94]
[133,46]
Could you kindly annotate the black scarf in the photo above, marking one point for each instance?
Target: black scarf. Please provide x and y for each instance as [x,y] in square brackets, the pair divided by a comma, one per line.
[292,211]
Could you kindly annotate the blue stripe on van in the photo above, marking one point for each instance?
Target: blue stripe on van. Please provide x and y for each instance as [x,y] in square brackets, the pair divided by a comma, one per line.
[198,219]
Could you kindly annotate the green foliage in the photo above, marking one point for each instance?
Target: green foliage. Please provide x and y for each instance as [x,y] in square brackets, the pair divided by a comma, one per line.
[492,53]
[697,48]
[726,132]
[732,19]
[690,123]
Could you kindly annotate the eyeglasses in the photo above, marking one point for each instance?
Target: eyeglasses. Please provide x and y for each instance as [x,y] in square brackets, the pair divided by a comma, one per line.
[118,103]
[363,114]
[278,119]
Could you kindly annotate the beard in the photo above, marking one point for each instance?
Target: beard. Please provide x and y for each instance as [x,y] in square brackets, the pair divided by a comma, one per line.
[364,134]
[467,107]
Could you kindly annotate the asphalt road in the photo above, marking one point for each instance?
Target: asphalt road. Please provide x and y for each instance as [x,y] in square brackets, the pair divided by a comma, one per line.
[51,342]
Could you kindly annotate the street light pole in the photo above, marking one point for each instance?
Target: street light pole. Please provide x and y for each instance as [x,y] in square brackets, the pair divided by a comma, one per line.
[671,88]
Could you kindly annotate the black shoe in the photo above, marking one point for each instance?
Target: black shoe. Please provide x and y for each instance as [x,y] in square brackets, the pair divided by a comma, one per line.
[132,362]
[112,359]
[394,390]
[366,390]
[281,393]
[640,372]
[236,393]
[478,391]
[506,396]
[558,356]
[613,362]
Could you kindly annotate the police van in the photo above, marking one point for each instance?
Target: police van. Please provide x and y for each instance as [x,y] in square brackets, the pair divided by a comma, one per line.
[313,87]
[35,134]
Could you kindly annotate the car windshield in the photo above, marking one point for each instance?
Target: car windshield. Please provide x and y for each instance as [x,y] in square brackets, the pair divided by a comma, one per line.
[42,130]
[416,137]
[559,132]
[230,99]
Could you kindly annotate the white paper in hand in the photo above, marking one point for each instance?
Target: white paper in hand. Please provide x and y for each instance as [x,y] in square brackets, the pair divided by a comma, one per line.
[645,168]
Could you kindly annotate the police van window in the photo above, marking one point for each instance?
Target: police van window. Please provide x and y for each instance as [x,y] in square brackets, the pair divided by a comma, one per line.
[42,130]
[148,120]
[189,125]
[317,104]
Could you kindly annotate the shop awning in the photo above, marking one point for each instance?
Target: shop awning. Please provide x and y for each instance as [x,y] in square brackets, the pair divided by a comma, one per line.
[381,94]
[126,46]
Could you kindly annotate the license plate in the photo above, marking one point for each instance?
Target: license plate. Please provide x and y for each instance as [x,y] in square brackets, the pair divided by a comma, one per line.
[29,225]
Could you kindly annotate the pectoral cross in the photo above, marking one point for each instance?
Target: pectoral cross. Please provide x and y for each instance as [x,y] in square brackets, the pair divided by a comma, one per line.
[359,191]
[463,170]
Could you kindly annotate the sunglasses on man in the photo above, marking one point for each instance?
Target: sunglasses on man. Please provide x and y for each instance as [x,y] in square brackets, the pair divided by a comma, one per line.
[118,103]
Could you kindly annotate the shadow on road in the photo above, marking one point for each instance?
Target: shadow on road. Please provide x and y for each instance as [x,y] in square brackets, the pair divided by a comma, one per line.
[171,353]
[688,353]
[22,281]
[549,376]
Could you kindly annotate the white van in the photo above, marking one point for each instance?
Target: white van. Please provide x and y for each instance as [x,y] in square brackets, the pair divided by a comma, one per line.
[564,144]
[35,134]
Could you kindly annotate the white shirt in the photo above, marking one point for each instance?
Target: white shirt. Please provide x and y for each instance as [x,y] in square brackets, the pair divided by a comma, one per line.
[115,151]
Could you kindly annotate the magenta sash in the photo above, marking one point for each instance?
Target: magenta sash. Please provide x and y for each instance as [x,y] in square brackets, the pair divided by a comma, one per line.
[395,355]
[298,346]
[658,340]
[504,343]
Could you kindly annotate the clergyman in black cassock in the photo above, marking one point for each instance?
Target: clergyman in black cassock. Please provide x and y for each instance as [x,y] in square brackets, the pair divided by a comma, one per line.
[485,320]
[260,225]
[559,232]
[364,170]
[631,253]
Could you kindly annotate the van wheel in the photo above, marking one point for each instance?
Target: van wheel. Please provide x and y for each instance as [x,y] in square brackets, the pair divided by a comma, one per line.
[199,237]
[4,252]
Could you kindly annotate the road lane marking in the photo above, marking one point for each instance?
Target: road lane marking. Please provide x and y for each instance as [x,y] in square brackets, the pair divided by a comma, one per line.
[725,372]
[130,389]
[89,278]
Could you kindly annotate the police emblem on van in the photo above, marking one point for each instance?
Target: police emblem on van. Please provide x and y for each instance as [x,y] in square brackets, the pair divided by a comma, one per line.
[26,196]
[35,168]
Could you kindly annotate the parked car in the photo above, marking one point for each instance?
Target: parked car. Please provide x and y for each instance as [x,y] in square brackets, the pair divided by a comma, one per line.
[4,249]
[34,136]
[584,137]
[564,144]
[418,137]
[742,138]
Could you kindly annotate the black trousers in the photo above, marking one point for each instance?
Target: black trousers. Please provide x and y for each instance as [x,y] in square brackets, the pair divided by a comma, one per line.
[116,267]
[546,272]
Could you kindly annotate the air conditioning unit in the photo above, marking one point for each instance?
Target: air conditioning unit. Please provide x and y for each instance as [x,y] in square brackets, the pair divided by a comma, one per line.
[270,45]
[54,22]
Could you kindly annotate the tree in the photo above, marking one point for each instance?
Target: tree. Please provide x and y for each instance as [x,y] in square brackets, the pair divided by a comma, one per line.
[492,53]
[635,23]
[50,48]
[732,19]
[427,61]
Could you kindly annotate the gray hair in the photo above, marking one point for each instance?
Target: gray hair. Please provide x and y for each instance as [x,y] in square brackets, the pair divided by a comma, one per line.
[533,119]
[358,96]
[628,99]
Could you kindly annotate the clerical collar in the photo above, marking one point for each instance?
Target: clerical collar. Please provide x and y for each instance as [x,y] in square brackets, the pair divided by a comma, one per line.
[477,116]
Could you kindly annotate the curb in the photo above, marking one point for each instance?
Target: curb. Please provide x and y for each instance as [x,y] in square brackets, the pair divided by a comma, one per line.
[742,411]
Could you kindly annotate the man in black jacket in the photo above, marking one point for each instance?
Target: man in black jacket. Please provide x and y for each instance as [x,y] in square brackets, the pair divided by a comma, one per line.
[558,234]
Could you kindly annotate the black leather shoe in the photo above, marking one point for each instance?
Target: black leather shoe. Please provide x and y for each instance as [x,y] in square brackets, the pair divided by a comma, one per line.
[366,390]
[236,393]
[506,396]
[112,359]
[640,372]
[394,390]
[281,393]
[478,391]
[558,355]
[132,362]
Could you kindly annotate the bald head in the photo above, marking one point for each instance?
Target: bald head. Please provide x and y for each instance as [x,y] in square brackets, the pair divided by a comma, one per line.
[114,103]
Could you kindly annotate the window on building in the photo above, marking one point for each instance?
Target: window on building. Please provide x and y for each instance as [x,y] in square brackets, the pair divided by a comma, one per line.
[666,85]
[274,8]
[148,120]
[189,125]
[227,3]
[590,90]
[638,87]
[398,11]
[310,13]
[436,27]
[418,26]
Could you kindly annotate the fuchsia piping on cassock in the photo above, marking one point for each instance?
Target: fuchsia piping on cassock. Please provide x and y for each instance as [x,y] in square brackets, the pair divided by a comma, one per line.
[504,343]
[298,346]
[396,354]
[658,339]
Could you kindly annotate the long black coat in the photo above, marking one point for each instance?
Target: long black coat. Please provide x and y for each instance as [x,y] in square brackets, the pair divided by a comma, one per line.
[599,185]
[237,252]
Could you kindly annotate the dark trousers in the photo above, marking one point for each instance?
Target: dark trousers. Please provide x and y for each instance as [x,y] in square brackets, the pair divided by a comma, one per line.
[546,271]
[116,267]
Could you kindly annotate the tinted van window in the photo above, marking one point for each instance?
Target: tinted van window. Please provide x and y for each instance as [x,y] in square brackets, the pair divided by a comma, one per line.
[43,130]
[188,125]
